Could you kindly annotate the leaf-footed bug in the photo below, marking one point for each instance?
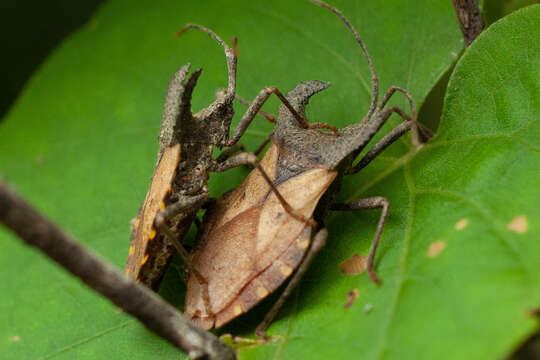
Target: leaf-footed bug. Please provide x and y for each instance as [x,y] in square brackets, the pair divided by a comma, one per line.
[248,245]
[179,184]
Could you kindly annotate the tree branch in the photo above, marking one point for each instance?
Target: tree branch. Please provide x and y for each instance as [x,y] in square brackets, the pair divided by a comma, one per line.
[135,299]
[470,19]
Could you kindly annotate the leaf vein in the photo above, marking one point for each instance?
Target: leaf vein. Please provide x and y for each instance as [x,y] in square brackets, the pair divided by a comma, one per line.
[86,340]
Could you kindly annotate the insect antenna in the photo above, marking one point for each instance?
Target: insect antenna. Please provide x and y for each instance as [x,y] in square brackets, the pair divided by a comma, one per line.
[230,54]
[374,80]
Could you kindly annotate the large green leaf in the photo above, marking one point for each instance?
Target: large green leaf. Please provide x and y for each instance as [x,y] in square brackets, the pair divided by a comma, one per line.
[80,143]
[471,192]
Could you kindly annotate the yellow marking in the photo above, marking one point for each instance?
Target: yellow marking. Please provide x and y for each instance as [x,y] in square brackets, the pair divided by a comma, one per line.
[436,248]
[461,224]
[131,250]
[144,260]
[152,234]
[15,338]
[518,224]
[127,271]
[285,270]
[237,309]
[262,292]
[162,206]
[169,189]
[303,244]
[134,223]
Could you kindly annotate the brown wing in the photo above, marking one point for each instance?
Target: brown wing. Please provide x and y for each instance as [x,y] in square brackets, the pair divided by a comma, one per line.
[266,281]
[246,235]
[142,251]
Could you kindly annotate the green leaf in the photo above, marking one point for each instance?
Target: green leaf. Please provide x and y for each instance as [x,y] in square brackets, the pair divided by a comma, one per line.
[469,192]
[80,144]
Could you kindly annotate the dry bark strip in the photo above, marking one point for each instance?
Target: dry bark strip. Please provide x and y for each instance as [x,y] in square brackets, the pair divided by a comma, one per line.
[135,299]
[470,19]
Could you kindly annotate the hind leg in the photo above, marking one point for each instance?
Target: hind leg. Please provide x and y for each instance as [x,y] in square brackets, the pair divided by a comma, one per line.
[368,204]
[317,244]
[184,204]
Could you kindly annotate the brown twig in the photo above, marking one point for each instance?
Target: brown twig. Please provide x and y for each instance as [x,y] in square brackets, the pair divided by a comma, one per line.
[470,19]
[135,299]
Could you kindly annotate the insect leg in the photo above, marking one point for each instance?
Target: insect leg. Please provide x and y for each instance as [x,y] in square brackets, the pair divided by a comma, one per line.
[262,145]
[254,108]
[374,79]
[318,242]
[230,54]
[382,144]
[184,203]
[388,139]
[270,117]
[247,158]
[367,204]
[230,151]
[414,129]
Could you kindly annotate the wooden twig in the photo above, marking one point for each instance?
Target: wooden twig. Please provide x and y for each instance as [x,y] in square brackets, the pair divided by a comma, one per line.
[135,299]
[470,19]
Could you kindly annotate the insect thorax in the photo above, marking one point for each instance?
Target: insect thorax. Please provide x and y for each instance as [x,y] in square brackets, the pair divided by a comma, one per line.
[192,171]
[210,125]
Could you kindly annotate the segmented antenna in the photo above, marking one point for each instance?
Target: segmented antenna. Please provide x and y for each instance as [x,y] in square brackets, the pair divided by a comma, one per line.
[374,80]
[230,54]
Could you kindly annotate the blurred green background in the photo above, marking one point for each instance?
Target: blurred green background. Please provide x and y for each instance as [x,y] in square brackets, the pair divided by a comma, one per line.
[29,31]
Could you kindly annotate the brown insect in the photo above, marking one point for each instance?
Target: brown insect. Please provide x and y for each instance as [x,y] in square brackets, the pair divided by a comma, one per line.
[179,184]
[249,245]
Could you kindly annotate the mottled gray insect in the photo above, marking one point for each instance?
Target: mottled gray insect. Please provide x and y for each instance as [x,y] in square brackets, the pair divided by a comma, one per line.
[179,184]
